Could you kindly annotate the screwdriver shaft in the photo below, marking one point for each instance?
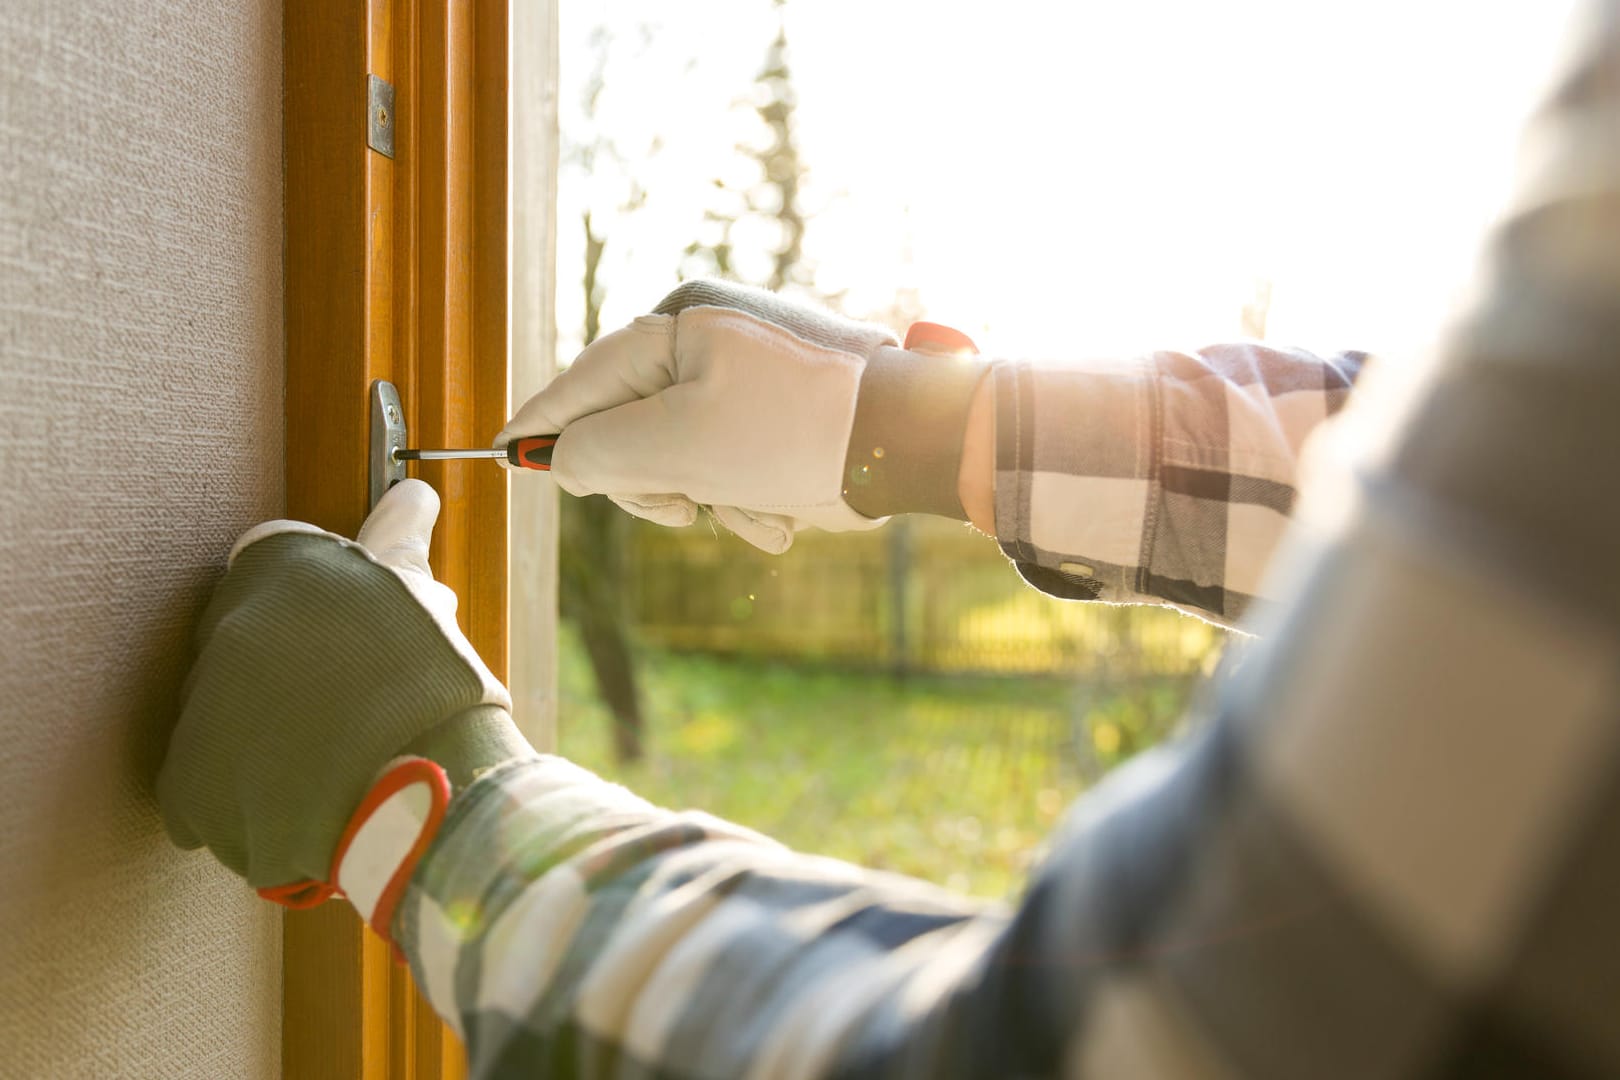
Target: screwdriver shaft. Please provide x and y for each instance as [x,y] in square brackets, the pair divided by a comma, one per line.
[529,452]
[448,455]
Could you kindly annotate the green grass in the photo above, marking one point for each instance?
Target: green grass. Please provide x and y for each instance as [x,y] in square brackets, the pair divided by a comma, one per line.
[952,779]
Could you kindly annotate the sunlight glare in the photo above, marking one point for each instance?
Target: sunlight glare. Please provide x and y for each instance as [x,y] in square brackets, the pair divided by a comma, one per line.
[1071,179]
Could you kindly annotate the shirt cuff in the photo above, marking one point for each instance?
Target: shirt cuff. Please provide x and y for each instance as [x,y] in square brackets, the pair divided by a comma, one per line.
[1074,462]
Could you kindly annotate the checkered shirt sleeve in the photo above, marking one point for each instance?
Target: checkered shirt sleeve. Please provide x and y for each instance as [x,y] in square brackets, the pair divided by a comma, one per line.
[1390,850]
[1167,478]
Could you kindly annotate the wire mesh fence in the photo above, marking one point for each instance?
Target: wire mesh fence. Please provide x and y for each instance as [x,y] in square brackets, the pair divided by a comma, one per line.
[923,595]
[770,696]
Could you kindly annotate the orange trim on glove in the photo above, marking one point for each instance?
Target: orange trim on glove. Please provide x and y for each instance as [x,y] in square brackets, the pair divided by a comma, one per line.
[937,337]
[397,777]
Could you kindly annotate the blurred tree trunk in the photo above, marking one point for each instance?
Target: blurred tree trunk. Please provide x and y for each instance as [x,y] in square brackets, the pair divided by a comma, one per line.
[592,596]
[592,541]
[899,590]
[592,574]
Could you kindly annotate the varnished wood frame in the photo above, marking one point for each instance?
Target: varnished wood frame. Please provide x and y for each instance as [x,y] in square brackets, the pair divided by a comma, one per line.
[396,269]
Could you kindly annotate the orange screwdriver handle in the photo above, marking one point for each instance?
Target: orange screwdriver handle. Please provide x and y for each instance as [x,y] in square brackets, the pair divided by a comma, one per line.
[533,452]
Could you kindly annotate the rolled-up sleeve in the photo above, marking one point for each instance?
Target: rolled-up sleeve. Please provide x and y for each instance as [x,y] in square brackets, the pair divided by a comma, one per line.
[1167,478]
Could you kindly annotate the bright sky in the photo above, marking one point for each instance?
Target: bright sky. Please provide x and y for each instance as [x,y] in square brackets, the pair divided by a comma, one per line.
[1063,179]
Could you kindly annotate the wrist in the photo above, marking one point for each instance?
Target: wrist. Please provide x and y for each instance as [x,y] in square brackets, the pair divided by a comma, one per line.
[905,445]
[398,820]
[471,742]
[386,839]
[976,477]
[372,856]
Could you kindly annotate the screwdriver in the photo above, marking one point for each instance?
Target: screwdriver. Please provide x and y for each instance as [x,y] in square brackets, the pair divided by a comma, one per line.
[533,452]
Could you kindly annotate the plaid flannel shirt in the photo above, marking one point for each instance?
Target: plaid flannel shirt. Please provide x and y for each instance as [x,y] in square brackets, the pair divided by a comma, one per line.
[1392,849]
[1164,479]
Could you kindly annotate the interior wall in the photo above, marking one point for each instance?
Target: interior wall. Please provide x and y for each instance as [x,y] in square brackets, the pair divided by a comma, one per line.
[140,431]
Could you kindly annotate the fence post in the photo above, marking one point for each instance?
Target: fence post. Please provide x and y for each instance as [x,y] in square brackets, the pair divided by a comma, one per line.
[899,559]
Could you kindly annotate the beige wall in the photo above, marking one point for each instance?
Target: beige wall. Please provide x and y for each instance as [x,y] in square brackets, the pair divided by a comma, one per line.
[140,430]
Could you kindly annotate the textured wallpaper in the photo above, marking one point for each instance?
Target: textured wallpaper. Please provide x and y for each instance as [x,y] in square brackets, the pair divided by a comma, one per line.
[140,430]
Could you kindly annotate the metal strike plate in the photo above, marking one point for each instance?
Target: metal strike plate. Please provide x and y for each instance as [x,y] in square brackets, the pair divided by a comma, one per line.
[380,115]
[387,436]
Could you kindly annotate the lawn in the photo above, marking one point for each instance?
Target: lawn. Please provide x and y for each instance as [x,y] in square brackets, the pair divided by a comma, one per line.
[953,779]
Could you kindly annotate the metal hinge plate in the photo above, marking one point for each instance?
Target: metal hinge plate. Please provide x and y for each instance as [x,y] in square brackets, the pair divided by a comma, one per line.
[387,436]
[380,115]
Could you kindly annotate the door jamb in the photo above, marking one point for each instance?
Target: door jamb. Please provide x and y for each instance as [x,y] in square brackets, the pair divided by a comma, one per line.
[395,268]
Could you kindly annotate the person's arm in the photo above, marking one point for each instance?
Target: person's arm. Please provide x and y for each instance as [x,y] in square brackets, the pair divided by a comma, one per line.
[1167,478]
[1392,853]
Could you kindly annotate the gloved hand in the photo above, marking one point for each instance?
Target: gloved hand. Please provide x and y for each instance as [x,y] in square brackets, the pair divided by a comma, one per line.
[774,414]
[319,660]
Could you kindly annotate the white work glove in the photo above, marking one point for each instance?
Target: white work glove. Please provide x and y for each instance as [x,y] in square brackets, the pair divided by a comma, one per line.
[775,415]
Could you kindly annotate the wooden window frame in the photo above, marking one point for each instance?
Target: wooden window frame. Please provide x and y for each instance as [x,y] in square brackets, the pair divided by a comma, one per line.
[398,268]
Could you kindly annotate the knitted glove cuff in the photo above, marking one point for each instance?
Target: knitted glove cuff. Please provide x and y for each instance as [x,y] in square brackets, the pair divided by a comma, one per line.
[397,819]
[803,321]
[905,448]
[468,744]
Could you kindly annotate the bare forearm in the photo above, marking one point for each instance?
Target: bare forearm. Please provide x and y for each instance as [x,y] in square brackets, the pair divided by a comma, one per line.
[976,479]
